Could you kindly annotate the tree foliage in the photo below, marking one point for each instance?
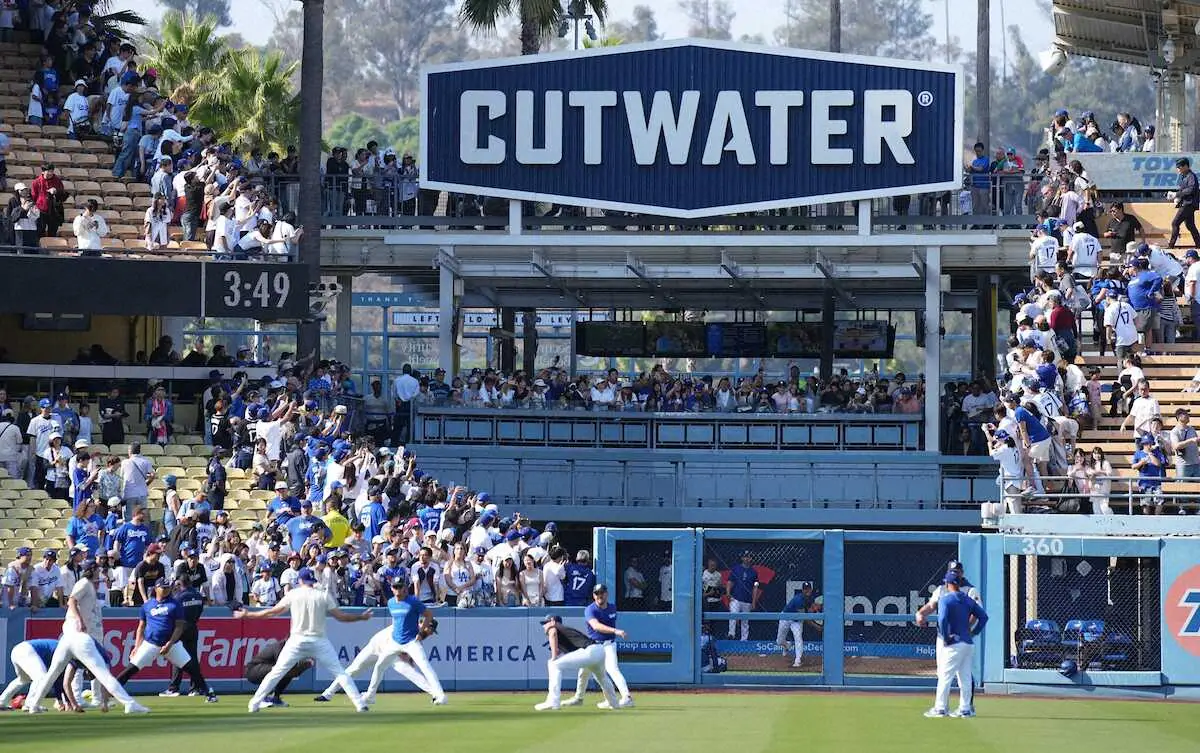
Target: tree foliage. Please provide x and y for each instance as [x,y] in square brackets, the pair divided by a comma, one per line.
[884,28]
[354,130]
[245,95]
[216,9]
[642,27]
[539,19]
[709,19]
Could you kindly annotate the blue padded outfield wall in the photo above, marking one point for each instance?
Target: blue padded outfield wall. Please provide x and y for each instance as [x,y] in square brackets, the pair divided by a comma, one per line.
[1136,602]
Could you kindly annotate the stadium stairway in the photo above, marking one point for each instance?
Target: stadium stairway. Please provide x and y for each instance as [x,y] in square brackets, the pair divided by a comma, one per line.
[85,166]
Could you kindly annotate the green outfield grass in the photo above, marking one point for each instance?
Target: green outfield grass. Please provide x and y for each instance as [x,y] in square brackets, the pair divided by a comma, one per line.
[728,722]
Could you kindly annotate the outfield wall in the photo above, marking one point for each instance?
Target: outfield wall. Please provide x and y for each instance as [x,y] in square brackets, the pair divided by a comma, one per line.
[1145,590]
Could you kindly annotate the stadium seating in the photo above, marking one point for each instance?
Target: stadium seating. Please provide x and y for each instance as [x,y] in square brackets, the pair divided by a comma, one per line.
[1039,644]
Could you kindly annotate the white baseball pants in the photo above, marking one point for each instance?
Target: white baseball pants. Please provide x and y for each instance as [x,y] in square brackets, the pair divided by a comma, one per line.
[796,629]
[611,668]
[739,606]
[413,650]
[954,661]
[82,648]
[27,669]
[146,653]
[369,656]
[591,660]
[297,649]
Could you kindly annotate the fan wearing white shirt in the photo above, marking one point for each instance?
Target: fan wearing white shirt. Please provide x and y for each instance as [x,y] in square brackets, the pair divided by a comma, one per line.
[78,109]
[1043,252]
[225,240]
[1084,253]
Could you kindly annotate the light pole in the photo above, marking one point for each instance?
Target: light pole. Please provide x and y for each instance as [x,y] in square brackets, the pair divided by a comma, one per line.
[574,14]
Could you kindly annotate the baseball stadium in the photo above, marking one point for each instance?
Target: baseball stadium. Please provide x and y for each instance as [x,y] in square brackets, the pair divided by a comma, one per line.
[597,375]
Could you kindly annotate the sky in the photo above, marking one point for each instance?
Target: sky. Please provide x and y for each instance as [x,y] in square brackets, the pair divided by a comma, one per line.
[254,21]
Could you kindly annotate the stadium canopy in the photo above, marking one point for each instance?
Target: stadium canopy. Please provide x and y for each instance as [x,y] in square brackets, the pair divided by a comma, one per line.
[1160,34]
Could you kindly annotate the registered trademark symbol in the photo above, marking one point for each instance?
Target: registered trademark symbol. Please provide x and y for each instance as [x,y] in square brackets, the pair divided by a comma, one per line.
[925,99]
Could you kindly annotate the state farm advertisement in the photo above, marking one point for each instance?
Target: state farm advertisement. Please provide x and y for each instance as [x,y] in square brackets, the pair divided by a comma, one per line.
[225,643]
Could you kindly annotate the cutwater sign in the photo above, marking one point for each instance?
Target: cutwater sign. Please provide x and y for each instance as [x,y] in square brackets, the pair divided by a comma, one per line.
[691,128]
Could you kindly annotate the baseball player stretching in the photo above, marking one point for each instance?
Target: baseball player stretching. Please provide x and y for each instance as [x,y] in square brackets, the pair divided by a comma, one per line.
[571,649]
[955,647]
[158,634]
[369,655]
[805,600]
[411,620]
[29,660]
[601,618]
[80,643]
[309,608]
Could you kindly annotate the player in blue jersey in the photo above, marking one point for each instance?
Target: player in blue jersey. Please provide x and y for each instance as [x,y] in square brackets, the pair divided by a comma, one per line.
[743,591]
[159,631]
[805,600]
[579,580]
[30,660]
[410,619]
[960,619]
[601,619]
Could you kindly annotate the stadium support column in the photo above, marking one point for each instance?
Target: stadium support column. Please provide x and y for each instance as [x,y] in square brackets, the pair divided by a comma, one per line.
[345,317]
[447,311]
[983,326]
[828,311]
[933,348]
[312,74]
[983,72]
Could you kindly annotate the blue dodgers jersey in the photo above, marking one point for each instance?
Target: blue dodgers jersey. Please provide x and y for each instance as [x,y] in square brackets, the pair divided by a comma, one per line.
[159,617]
[431,519]
[741,582]
[132,540]
[406,618]
[577,587]
[606,616]
[44,648]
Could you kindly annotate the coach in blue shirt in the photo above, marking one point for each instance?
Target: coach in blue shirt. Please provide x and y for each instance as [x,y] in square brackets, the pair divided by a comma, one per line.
[955,646]
[742,590]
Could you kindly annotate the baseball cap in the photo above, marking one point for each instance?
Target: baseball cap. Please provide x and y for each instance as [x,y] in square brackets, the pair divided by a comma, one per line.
[955,565]
[82,443]
[23,551]
[1145,439]
[1191,254]
[306,503]
[51,554]
[294,556]
[599,588]
[169,480]
[322,558]
[281,485]
[80,82]
[951,577]
[551,618]
[163,583]
[187,549]
[1001,434]
[512,535]
[484,497]
[44,403]
[400,581]
[222,513]
[264,568]
[307,575]
[154,549]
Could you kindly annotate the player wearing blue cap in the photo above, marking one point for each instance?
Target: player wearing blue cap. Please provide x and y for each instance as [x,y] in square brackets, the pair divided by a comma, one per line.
[159,631]
[410,620]
[572,650]
[309,608]
[601,619]
[805,600]
[80,642]
[742,590]
[964,585]
[955,646]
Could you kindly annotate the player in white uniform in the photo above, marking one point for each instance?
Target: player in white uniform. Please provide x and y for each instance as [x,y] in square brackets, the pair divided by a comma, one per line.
[964,585]
[411,619]
[309,608]
[80,642]
[369,656]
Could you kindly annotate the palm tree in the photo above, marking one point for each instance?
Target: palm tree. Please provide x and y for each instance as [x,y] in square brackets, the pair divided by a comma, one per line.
[114,22]
[539,19]
[250,102]
[187,54]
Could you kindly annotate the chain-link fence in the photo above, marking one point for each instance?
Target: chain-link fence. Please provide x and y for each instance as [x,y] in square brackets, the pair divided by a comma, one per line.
[1101,612]
[886,578]
[756,578]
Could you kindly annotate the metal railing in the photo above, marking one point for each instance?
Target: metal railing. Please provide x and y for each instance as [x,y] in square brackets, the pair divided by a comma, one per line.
[559,428]
[1132,491]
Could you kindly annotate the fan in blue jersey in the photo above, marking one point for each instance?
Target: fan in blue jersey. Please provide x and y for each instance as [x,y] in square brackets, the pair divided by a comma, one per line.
[431,518]
[374,515]
[129,546]
[580,578]
[304,527]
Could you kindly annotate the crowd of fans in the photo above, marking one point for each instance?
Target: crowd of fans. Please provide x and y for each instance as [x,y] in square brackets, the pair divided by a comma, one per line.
[353,510]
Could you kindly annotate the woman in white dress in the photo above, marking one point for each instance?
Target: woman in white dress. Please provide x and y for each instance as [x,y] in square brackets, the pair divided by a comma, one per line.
[158,217]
